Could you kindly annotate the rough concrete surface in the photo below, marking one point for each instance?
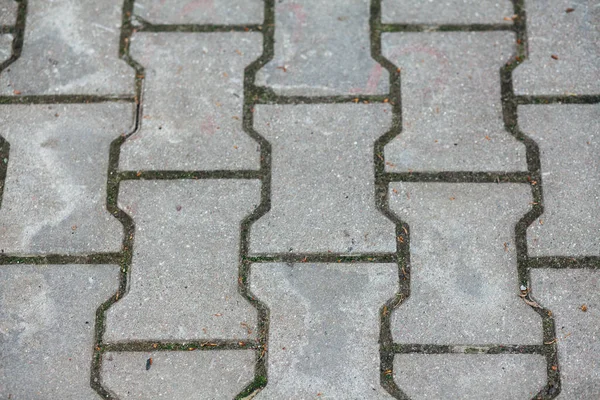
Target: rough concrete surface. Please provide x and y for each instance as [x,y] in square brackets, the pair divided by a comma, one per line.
[247,199]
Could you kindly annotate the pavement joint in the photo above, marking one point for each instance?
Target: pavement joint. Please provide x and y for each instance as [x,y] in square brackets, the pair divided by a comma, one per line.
[254,96]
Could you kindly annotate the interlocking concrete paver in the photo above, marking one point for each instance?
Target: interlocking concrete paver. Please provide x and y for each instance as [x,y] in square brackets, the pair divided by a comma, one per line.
[568,136]
[470,376]
[464,281]
[55,190]
[193,99]
[451,102]
[70,47]
[323,340]
[568,293]
[223,12]
[322,48]
[8,12]
[322,181]
[447,11]
[5,47]
[47,316]
[184,273]
[564,48]
[299,199]
[178,375]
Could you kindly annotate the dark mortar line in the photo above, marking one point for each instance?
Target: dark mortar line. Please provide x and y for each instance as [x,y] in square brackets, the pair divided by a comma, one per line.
[418,348]
[386,342]
[7,29]
[187,345]
[510,116]
[125,258]
[457,177]
[251,94]
[267,96]
[590,262]
[425,28]
[4,158]
[63,99]
[112,193]
[172,174]
[197,28]
[61,259]
[566,99]
[322,258]
[18,35]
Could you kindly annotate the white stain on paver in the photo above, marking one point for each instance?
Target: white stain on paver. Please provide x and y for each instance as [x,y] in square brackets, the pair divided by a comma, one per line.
[55,190]
[47,318]
[65,52]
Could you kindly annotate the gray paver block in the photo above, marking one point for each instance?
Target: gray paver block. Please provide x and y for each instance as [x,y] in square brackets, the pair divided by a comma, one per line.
[8,12]
[47,316]
[70,47]
[184,273]
[322,193]
[447,11]
[55,191]
[192,102]
[451,102]
[324,328]
[568,136]
[564,292]
[178,375]
[323,48]
[572,37]
[464,282]
[222,12]
[5,47]
[469,376]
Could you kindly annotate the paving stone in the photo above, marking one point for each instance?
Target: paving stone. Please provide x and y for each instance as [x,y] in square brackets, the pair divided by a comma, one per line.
[222,12]
[55,191]
[184,273]
[564,292]
[564,49]
[70,47]
[47,316]
[446,11]
[451,104]
[568,136]
[5,47]
[469,376]
[322,194]
[464,282]
[8,12]
[323,48]
[178,375]
[324,328]
[193,98]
